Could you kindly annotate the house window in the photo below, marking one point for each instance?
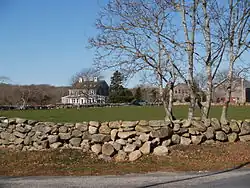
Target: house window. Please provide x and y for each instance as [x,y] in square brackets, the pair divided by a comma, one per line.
[77,100]
[73,100]
[175,91]
[179,91]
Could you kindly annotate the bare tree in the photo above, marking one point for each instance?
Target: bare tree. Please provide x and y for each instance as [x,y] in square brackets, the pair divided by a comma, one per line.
[135,36]
[237,34]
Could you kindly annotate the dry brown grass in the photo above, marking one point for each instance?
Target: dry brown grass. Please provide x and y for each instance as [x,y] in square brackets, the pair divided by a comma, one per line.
[73,162]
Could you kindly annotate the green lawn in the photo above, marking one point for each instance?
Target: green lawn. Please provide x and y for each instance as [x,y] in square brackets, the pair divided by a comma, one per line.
[117,113]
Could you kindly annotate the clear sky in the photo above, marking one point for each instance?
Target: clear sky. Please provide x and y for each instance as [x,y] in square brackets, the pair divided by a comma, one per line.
[44,41]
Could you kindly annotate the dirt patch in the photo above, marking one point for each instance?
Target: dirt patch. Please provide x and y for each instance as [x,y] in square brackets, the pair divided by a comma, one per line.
[74,162]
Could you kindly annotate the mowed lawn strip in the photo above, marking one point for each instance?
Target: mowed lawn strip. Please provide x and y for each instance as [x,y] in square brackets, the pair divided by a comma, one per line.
[74,162]
[118,113]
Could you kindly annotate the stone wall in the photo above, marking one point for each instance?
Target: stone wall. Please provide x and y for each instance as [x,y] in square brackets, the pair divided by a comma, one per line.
[118,140]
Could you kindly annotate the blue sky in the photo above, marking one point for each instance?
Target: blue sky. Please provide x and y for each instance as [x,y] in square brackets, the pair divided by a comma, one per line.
[44,41]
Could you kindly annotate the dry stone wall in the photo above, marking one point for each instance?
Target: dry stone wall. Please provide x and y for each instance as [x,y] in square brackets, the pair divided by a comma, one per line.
[118,140]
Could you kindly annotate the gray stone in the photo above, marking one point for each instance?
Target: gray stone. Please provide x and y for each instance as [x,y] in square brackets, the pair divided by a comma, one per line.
[186,123]
[129,148]
[130,140]
[113,134]
[55,145]
[125,135]
[76,133]
[121,141]
[94,124]
[117,146]
[176,139]
[86,136]
[100,138]
[245,138]
[220,136]
[143,129]
[199,126]
[134,155]
[32,122]
[138,143]
[210,133]
[107,149]
[187,135]
[104,129]
[18,141]
[158,123]
[193,131]
[144,137]
[146,147]
[166,142]
[183,130]
[164,132]
[64,136]
[63,129]
[161,151]
[21,121]
[176,127]
[143,123]
[121,156]
[5,135]
[156,141]
[19,135]
[27,140]
[93,130]
[207,122]
[75,141]
[69,125]
[114,124]
[82,126]
[245,128]
[85,145]
[27,128]
[126,129]
[209,142]
[225,128]
[197,139]
[96,148]
[232,137]
[20,129]
[185,141]
[215,124]
[234,126]
[128,124]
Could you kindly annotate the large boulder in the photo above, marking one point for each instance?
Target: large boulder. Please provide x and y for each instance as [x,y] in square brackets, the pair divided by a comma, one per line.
[53,138]
[245,138]
[245,128]
[129,148]
[143,129]
[104,129]
[100,138]
[161,151]
[215,124]
[199,126]
[210,133]
[82,126]
[144,137]
[225,128]
[107,149]
[159,123]
[94,124]
[93,130]
[125,135]
[75,141]
[55,145]
[96,148]
[19,135]
[121,141]
[234,126]
[143,123]
[126,124]
[185,141]
[176,139]
[146,147]
[197,139]
[113,134]
[164,132]
[76,133]
[134,155]
[114,124]
[117,146]
[233,137]
[121,156]
[220,136]
[64,136]
[63,129]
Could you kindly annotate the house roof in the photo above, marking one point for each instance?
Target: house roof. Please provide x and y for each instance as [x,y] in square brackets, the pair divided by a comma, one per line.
[87,84]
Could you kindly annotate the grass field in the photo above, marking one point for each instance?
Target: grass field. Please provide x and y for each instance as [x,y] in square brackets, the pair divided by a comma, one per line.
[118,113]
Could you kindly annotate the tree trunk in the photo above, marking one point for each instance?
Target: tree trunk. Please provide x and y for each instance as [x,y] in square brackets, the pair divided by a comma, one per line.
[168,116]
[170,100]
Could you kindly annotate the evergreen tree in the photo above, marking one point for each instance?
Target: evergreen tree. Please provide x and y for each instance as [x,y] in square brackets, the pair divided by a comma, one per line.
[117,93]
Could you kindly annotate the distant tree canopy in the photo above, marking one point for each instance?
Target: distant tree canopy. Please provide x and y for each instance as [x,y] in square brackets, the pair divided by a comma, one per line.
[117,93]
[138,94]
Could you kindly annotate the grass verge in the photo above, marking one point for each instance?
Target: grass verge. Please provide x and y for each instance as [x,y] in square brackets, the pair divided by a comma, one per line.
[75,163]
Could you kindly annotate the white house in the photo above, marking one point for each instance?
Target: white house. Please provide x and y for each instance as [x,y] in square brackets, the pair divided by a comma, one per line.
[92,91]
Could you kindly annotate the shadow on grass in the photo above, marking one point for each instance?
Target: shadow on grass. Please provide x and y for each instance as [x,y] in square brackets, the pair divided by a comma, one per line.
[196,177]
